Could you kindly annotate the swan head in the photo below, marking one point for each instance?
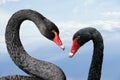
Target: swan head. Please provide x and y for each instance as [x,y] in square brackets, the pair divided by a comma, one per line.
[51,32]
[79,39]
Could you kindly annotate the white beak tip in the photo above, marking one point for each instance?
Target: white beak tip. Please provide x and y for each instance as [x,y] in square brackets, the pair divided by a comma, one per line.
[71,55]
[62,47]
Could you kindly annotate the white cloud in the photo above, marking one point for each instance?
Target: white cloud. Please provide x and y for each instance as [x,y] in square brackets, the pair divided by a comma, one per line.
[4,1]
[107,25]
[67,29]
[72,26]
[111,14]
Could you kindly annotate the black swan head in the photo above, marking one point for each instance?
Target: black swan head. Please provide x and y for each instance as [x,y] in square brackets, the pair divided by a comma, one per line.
[79,39]
[84,35]
[52,33]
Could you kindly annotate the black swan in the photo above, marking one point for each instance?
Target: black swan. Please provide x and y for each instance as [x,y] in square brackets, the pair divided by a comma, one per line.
[84,35]
[37,69]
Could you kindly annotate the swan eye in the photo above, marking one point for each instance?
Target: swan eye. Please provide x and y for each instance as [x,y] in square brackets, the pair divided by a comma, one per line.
[53,31]
[78,37]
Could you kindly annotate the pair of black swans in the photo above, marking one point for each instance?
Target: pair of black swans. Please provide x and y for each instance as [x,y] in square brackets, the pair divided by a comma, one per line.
[42,70]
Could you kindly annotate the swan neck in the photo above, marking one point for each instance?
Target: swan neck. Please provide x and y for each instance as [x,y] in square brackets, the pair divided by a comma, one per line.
[97,58]
[14,45]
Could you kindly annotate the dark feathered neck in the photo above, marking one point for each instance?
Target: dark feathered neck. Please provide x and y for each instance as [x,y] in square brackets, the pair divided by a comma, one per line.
[97,58]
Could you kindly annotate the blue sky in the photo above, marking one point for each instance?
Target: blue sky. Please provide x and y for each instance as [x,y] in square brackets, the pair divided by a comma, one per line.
[69,16]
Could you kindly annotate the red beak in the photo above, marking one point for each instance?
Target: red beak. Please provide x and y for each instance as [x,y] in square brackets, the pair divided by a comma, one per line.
[58,41]
[74,48]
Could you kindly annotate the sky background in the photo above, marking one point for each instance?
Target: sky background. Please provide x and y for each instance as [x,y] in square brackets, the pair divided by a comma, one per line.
[69,16]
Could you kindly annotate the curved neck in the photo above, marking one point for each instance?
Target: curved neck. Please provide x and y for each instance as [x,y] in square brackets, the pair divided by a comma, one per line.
[97,58]
[15,48]
[30,65]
